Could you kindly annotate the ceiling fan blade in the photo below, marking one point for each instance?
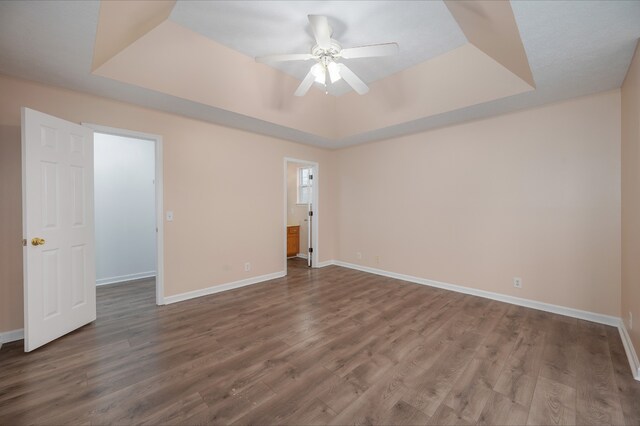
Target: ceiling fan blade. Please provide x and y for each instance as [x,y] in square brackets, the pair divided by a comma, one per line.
[283,58]
[385,49]
[321,30]
[353,80]
[306,84]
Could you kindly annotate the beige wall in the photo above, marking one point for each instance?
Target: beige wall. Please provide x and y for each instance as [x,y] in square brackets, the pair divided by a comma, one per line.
[533,194]
[296,213]
[631,199]
[216,228]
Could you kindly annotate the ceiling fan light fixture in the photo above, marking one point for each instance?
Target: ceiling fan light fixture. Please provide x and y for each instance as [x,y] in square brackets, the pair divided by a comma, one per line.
[319,73]
[334,72]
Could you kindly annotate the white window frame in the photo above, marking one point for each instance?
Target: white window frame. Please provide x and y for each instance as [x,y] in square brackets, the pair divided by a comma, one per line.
[299,185]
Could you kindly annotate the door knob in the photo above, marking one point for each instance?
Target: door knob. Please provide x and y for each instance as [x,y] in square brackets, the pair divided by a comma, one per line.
[37,241]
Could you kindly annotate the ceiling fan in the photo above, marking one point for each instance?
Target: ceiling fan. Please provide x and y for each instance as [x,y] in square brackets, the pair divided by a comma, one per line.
[327,52]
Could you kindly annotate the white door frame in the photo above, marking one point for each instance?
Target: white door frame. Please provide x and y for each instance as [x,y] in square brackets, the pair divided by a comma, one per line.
[157,139]
[315,197]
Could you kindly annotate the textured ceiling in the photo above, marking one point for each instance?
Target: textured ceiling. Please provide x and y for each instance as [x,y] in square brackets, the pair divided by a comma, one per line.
[422,29]
[574,48]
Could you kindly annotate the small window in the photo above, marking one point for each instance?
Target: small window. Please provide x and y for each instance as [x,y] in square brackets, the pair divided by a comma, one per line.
[304,185]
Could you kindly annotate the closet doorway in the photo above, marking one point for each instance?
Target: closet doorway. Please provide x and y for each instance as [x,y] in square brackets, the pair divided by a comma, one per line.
[128,213]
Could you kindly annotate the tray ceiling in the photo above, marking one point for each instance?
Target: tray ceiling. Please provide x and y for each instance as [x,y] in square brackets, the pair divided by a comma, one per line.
[572,49]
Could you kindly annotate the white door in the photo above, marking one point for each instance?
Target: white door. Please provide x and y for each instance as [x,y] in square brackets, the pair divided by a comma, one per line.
[310,220]
[57,217]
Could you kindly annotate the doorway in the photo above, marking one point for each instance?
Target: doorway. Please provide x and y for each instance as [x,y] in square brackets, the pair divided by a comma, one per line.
[58,224]
[128,211]
[301,218]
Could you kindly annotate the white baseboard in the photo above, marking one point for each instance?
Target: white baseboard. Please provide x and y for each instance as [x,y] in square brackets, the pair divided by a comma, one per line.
[222,287]
[548,307]
[301,255]
[630,350]
[123,278]
[11,336]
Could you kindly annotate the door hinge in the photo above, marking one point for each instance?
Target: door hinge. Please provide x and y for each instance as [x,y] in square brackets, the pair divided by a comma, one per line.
[24,242]
[310,212]
[311,177]
[310,249]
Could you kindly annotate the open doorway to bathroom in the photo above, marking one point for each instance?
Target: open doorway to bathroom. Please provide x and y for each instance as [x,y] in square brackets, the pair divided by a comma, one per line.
[300,213]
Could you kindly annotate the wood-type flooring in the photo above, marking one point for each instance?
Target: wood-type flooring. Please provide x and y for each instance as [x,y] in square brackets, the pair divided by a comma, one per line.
[321,346]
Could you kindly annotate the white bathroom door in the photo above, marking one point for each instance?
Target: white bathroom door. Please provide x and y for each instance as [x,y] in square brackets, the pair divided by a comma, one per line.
[58,227]
[310,220]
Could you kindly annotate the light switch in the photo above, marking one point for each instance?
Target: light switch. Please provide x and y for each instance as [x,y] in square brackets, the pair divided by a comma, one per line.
[169,216]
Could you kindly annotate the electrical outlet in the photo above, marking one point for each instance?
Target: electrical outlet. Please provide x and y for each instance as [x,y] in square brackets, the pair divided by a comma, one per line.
[247,266]
[169,216]
[359,256]
[517,282]
[630,320]
[377,260]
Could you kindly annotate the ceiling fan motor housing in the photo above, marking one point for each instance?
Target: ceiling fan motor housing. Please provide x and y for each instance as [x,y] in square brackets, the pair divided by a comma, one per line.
[324,56]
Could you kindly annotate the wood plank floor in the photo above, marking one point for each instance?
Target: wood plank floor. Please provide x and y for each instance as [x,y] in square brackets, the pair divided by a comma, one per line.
[325,346]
